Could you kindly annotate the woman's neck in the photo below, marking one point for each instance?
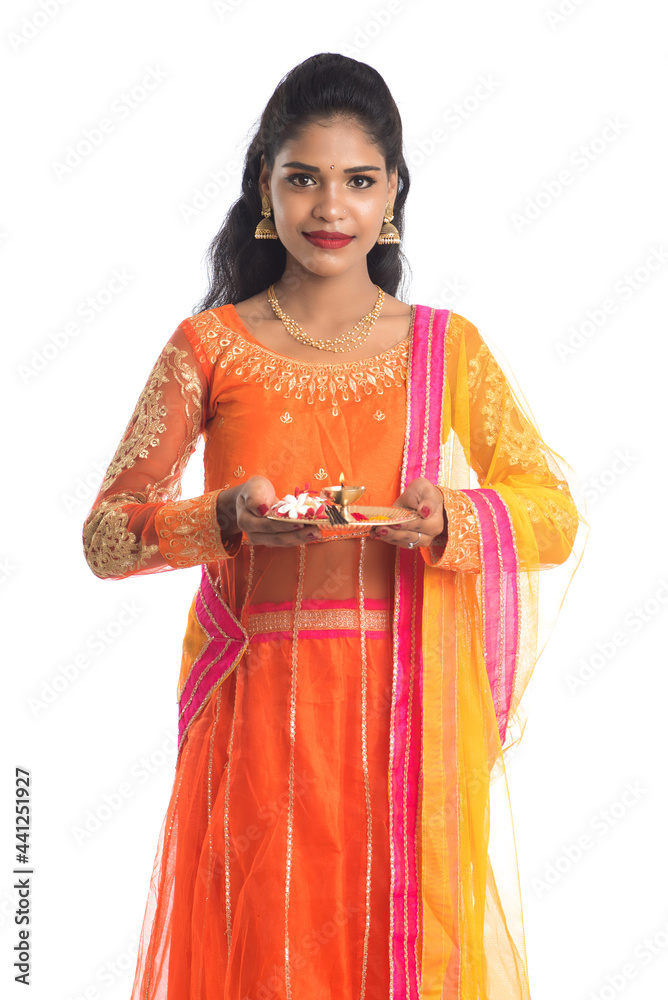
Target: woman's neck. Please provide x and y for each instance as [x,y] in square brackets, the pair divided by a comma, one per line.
[344,299]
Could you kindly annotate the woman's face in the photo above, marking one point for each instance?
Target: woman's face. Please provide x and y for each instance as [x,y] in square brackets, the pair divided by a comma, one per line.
[308,196]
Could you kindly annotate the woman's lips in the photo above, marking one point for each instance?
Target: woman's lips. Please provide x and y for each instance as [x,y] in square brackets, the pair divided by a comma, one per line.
[329,244]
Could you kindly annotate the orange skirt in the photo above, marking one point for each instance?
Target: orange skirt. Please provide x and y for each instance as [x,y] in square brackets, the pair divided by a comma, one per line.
[272,873]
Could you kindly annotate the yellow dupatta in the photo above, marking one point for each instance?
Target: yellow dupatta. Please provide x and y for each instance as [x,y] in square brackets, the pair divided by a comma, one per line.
[484,622]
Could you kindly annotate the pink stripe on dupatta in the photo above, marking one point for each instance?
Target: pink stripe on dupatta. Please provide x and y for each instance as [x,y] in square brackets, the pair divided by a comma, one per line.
[224,648]
[424,413]
[499,565]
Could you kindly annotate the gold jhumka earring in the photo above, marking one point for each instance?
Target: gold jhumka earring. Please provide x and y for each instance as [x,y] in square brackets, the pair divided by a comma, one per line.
[388,232]
[266,230]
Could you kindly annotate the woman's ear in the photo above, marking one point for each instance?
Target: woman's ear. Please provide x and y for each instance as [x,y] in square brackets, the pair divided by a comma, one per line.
[263,180]
[393,186]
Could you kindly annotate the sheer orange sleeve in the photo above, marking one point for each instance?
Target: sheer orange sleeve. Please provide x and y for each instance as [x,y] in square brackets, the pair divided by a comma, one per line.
[137,523]
[461,550]
[493,436]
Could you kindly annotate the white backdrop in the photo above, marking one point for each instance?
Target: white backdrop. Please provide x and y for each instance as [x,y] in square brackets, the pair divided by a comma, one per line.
[535,132]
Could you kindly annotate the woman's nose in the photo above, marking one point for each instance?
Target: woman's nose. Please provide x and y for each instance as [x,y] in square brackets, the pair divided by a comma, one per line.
[331,204]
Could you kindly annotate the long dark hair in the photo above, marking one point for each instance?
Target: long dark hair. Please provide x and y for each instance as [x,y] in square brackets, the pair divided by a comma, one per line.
[323,86]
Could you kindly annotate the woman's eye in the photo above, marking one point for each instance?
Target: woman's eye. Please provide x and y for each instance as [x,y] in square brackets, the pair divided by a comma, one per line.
[294,178]
[364,177]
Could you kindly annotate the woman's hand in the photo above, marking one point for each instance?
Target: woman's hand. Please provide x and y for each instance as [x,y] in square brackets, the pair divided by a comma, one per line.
[427,500]
[243,507]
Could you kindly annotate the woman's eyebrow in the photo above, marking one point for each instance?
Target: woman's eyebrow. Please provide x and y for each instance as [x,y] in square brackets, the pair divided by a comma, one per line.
[316,170]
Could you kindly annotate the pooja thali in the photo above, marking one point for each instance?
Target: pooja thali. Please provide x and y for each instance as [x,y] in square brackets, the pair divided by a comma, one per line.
[357,517]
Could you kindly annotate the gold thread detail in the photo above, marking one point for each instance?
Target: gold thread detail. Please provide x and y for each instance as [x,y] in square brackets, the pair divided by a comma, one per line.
[503,426]
[291,778]
[365,770]
[341,382]
[427,393]
[112,550]
[206,669]
[226,825]
[393,713]
[226,812]
[409,736]
[230,668]
[520,603]
[502,607]
[446,336]
[462,549]
[208,809]
[317,619]
[395,654]
[147,420]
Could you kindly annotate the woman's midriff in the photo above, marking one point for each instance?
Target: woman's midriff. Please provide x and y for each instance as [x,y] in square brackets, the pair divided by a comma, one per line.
[331,572]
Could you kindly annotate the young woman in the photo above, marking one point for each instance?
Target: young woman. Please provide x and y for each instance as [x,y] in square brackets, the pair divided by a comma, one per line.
[346,696]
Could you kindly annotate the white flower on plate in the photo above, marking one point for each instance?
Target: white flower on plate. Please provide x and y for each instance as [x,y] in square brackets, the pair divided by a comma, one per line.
[296,506]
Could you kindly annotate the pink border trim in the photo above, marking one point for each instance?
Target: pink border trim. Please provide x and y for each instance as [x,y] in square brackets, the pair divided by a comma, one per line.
[425,391]
[499,565]
[226,644]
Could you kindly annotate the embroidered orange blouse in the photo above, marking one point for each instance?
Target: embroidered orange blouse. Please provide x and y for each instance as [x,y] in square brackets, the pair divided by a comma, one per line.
[260,413]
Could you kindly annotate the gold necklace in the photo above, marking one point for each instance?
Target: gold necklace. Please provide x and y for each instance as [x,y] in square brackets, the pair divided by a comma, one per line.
[352,339]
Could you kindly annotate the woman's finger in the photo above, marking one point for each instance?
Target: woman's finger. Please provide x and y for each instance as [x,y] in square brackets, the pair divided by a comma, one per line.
[263,530]
[308,533]
[259,524]
[402,536]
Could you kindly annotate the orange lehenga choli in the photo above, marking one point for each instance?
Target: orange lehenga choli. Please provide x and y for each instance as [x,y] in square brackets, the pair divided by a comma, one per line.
[344,706]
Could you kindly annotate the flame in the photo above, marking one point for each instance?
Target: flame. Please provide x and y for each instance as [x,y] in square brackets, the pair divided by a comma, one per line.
[341,479]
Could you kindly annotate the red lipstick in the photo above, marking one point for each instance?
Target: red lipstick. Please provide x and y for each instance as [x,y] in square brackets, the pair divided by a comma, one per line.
[328,240]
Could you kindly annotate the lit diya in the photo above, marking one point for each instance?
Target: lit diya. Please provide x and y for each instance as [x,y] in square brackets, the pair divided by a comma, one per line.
[343,495]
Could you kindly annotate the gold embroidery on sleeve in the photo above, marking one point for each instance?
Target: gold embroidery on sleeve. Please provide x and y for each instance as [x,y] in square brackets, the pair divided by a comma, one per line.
[462,551]
[112,550]
[189,533]
[463,548]
[565,517]
[500,418]
[147,422]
